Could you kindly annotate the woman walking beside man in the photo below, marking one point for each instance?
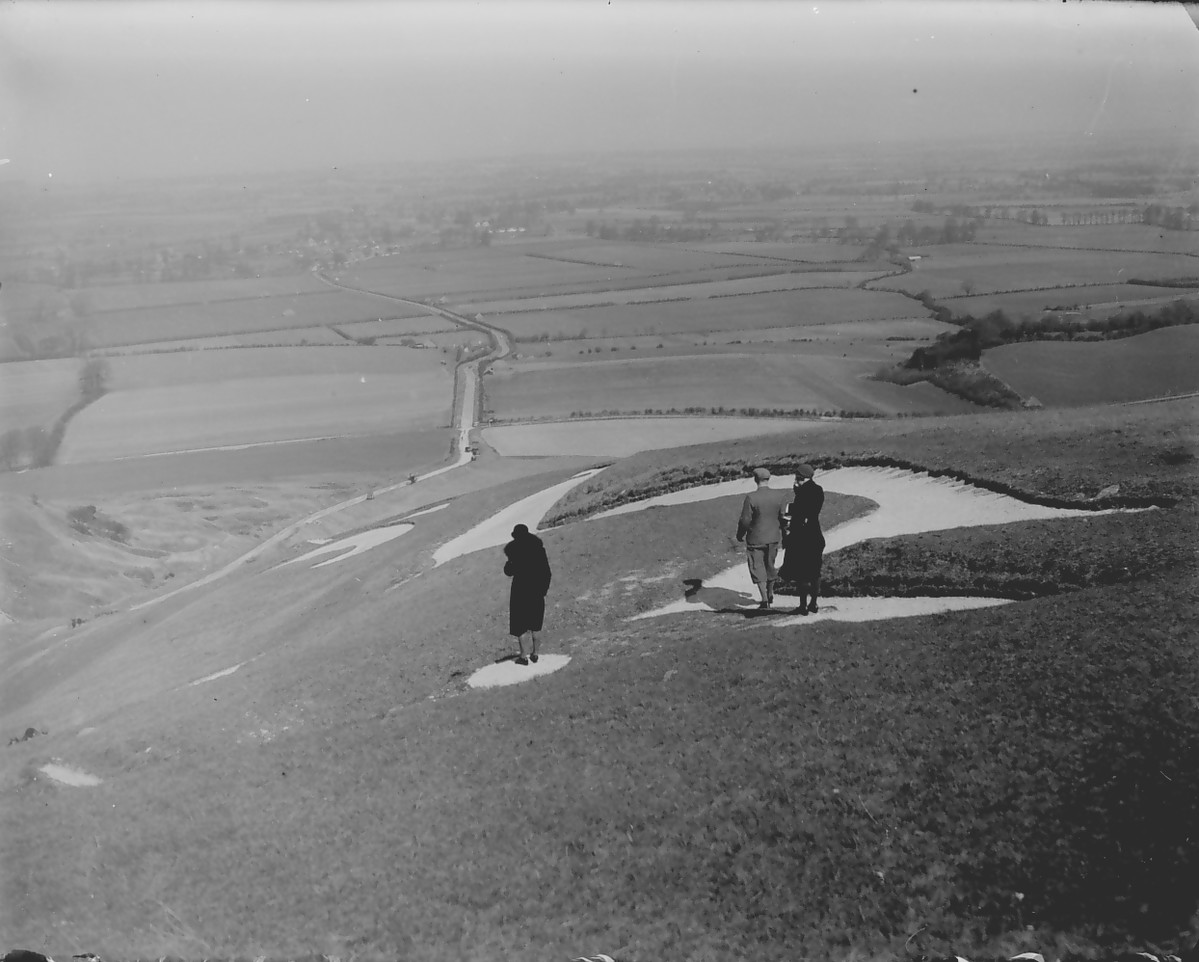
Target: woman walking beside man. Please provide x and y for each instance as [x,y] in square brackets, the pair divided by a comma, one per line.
[803,544]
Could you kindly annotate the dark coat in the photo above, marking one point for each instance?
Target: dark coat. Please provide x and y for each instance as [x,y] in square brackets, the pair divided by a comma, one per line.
[529,568]
[804,543]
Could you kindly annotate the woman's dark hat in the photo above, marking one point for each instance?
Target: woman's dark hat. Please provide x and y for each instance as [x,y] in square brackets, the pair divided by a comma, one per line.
[519,530]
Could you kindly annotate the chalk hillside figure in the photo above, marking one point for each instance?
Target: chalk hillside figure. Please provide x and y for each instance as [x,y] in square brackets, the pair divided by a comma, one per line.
[529,568]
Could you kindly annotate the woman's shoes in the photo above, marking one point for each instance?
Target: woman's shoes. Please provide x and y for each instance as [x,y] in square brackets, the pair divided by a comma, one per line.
[533,659]
[522,660]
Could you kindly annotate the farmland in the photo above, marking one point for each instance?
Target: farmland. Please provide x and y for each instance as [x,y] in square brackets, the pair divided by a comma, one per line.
[1156,364]
[798,308]
[165,322]
[164,420]
[786,381]
[37,392]
[943,270]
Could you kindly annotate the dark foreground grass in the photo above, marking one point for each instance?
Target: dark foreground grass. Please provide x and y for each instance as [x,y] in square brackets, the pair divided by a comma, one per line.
[707,791]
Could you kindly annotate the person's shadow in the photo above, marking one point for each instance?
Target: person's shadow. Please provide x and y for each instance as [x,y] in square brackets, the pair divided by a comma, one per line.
[720,600]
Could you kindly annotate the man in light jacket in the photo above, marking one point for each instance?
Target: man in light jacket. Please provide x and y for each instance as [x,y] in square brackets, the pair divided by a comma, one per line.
[763,514]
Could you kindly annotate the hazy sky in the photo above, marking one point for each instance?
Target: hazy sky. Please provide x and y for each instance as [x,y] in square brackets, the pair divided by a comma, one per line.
[95,90]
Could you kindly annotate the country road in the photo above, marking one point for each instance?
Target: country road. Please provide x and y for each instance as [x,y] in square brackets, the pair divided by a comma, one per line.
[463,419]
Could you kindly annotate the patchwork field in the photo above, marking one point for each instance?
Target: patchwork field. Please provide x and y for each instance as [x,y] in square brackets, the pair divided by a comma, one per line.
[173,321]
[943,269]
[645,385]
[696,290]
[128,297]
[1155,364]
[788,308]
[486,270]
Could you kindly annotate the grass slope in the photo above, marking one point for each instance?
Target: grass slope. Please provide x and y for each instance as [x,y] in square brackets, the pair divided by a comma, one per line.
[704,787]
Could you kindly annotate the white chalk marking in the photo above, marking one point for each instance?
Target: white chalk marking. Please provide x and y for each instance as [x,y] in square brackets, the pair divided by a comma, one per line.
[215,675]
[510,673]
[353,545]
[497,529]
[69,776]
[423,512]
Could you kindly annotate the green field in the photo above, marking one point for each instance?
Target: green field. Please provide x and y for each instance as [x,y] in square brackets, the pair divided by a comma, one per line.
[174,321]
[943,269]
[764,380]
[128,297]
[1155,364]
[188,400]
[262,363]
[798,308]
[35,393]
[492,271]
[696,290]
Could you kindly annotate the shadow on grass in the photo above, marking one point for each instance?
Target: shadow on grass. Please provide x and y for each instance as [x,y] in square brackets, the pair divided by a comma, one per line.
[718,599]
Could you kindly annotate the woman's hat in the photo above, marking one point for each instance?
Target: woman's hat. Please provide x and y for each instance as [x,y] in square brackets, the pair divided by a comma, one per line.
[519,530]
[804,471]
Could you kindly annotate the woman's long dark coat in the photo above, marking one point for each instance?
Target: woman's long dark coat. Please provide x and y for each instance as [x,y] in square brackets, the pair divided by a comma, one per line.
[529,569]
[804,543]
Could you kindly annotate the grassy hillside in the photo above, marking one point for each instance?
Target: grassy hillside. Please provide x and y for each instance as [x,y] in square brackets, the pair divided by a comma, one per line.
[700,787]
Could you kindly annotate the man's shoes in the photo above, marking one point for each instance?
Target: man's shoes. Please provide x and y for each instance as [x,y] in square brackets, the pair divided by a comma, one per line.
[522,660]
[533,659]
[803,610]
[812,608]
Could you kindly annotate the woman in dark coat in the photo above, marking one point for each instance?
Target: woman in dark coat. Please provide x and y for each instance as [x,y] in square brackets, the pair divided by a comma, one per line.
[804,541]
[529,569]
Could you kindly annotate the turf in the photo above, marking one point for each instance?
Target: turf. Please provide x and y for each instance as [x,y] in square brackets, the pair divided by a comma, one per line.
[704,787]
